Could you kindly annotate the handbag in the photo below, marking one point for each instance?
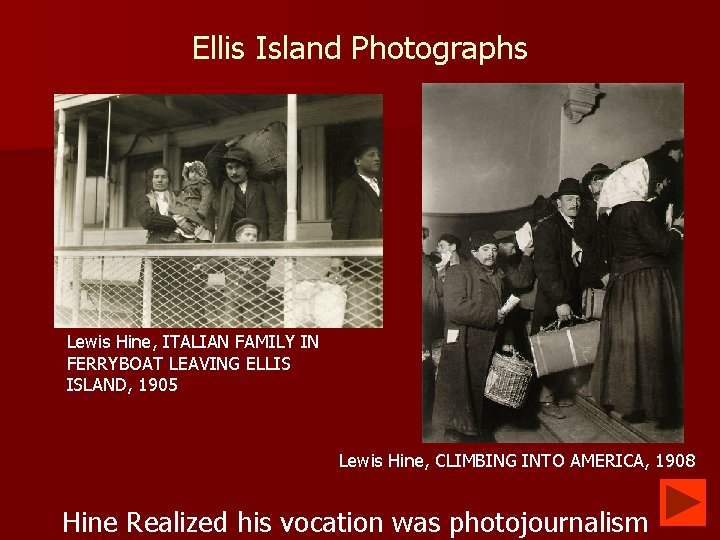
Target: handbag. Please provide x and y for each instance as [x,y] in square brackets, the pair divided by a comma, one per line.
[555,348]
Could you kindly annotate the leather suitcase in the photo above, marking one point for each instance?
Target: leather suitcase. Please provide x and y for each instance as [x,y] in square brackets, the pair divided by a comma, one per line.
[566,348]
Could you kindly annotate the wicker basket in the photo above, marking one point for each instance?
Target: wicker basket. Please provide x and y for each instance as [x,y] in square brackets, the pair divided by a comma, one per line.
[508,380]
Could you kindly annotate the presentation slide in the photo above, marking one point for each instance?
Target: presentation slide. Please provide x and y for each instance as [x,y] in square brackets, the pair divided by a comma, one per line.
[227,345]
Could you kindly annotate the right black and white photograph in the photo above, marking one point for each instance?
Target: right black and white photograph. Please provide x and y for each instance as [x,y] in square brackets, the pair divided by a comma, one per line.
[552,266]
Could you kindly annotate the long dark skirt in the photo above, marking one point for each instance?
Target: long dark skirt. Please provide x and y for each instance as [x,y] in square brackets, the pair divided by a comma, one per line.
[639,361]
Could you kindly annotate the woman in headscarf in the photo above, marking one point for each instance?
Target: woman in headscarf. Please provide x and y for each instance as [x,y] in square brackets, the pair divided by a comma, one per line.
[176,284]
[638,369]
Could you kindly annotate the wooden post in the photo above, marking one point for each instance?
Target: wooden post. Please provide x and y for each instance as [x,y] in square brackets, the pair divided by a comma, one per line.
[59,173]
[79,206]
[291,149]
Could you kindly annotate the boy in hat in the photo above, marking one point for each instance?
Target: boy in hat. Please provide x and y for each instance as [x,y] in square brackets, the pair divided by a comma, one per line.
[237,196]
[246,231]
[245,302]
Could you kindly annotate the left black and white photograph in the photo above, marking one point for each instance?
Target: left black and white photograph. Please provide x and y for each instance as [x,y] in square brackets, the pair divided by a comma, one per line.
[218,211]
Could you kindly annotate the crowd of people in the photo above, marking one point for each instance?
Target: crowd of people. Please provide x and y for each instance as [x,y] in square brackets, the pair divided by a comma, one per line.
[221,202]
[619,230]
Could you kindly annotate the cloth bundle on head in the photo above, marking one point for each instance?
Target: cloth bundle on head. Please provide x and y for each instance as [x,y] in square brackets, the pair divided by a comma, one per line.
[629,183]
[481,238]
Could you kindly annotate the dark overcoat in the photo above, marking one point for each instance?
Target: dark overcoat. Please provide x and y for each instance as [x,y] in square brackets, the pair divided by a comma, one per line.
[558,278]
[591,235]
[357,211]
[472,298]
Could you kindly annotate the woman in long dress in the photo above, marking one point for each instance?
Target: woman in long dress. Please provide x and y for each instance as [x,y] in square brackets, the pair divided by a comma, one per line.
[638,368]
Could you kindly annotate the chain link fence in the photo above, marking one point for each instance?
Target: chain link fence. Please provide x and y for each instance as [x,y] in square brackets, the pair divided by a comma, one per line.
[267,285]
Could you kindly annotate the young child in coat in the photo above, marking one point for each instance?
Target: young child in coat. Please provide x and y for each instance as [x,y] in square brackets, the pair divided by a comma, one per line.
[192,205]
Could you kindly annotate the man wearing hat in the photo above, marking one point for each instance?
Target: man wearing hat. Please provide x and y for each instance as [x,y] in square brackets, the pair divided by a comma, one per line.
[237,196]
[557,259]
[472,300]
[557,266]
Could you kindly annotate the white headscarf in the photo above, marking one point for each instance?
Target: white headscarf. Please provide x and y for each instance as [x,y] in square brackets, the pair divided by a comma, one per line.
[629,183]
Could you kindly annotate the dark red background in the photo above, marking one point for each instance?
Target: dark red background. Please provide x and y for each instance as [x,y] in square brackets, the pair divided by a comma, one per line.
[269,442]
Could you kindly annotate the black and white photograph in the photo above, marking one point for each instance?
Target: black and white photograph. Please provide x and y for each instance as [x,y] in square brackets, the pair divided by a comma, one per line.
[218,211]
[552,264]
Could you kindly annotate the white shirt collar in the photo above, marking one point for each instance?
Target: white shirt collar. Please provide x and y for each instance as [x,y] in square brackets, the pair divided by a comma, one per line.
[372,182]
[570,221]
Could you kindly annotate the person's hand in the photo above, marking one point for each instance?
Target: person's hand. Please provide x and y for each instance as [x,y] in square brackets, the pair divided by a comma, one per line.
[680,222]
[529,250]
[605,279]
[336,264]
[501,316]
[564,312]
[188,227]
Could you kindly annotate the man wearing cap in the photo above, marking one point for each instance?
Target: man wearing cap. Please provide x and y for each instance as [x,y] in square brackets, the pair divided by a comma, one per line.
[472,300]
[237,196]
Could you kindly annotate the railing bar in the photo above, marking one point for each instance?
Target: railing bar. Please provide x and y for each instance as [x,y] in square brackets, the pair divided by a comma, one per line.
[89,251]
[100,298]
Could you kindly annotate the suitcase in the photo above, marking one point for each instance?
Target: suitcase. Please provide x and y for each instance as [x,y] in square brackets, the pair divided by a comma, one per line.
[268,148]
[592,303]
[565,348]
